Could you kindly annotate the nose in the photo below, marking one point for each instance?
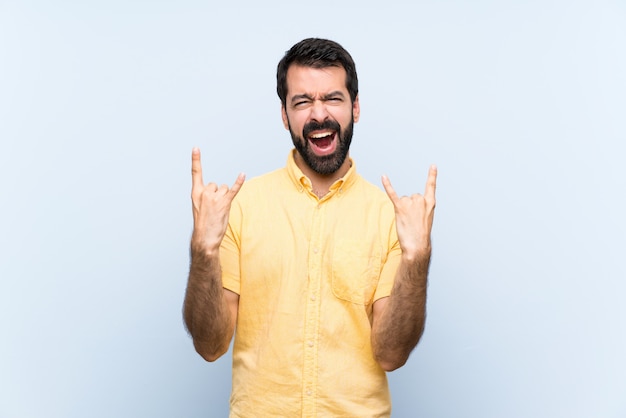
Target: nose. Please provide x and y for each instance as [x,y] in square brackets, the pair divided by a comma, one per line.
[319,112]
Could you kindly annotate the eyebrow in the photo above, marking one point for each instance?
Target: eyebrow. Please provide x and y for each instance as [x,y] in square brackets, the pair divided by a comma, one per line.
[333,94]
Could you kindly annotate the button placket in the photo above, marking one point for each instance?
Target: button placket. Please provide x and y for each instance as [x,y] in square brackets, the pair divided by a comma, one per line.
[311,330]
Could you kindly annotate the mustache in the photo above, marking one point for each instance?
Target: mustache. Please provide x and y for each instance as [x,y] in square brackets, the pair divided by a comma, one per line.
[315,126]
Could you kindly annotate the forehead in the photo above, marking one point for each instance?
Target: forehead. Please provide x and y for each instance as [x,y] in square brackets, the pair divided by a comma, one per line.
[313,81]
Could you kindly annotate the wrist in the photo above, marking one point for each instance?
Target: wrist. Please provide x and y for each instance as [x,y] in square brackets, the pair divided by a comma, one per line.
[419,254]
[202,248]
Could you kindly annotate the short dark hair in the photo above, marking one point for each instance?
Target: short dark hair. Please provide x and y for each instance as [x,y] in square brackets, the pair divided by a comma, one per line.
[317,53]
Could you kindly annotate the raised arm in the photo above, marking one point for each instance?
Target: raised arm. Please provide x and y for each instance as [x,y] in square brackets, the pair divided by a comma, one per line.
[399,319]
[209,311]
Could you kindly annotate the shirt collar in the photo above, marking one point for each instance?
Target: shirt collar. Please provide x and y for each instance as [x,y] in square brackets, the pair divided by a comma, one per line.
[302,182]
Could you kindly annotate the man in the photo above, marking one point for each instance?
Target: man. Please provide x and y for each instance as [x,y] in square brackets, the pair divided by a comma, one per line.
[323,274]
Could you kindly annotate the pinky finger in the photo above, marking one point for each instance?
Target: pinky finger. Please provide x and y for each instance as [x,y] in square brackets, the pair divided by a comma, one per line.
[389,189]
[237,185]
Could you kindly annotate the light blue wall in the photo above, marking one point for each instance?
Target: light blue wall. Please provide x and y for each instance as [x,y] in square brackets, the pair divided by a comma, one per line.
[521,104]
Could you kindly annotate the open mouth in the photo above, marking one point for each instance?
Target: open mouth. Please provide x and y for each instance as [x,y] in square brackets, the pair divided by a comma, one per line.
[323,142]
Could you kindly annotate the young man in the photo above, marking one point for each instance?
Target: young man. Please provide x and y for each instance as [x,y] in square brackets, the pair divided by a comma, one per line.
[323,274]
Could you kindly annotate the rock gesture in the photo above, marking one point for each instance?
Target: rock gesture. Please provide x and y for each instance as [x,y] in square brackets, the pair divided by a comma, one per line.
[414,216]
[211,206]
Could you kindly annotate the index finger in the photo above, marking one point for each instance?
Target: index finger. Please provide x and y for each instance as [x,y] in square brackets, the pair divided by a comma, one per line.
[431,183]
[196,169]
[389,189]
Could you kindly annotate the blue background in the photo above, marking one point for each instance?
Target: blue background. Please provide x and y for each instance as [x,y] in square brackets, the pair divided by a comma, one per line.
[521,104]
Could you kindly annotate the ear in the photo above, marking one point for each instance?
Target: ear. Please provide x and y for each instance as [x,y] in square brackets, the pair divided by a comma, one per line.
[356,109]
[283,114]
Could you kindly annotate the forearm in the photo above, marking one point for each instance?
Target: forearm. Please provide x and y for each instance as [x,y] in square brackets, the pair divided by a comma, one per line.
[206,311]
[399,326]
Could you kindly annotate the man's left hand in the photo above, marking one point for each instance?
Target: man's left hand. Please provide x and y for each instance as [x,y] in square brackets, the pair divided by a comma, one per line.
[414,216]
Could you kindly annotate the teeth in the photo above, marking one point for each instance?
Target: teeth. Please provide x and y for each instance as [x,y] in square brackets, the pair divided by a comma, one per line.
[321,135]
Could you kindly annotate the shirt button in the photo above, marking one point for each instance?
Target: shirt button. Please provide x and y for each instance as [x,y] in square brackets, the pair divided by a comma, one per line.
[312,297]
[315,250]
[311,344]
[309,392]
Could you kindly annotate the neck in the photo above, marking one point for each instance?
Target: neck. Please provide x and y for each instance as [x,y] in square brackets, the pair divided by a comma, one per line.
[321,182]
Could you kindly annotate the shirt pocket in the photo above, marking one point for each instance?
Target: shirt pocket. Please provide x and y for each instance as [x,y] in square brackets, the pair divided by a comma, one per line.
[356,268]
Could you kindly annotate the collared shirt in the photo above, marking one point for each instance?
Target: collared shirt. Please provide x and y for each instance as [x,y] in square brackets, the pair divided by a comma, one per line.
[307,271]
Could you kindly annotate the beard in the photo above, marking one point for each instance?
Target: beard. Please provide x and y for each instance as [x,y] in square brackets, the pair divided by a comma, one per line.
[325,164]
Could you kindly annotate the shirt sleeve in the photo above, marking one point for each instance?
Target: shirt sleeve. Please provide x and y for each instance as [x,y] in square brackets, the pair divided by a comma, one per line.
[230,250]
[390,264]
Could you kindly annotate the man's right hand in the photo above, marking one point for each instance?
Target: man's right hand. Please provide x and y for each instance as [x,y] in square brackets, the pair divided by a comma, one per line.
[211,206]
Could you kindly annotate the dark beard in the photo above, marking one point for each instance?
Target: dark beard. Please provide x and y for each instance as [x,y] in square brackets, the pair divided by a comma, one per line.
[326,164]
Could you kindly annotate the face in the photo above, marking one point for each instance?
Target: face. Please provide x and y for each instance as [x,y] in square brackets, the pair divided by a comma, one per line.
[320,116]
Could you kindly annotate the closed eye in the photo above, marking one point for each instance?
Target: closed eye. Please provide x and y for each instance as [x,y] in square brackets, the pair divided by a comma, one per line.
[300,100]
[335,97]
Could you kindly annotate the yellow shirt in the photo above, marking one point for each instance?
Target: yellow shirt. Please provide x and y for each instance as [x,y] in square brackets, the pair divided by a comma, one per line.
[307,272]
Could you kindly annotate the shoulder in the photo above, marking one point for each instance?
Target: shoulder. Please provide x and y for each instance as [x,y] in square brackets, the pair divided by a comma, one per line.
[370,190]
[263,185]
[371,196]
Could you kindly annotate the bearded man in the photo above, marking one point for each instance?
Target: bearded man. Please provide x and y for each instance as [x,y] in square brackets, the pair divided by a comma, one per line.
[320,275]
